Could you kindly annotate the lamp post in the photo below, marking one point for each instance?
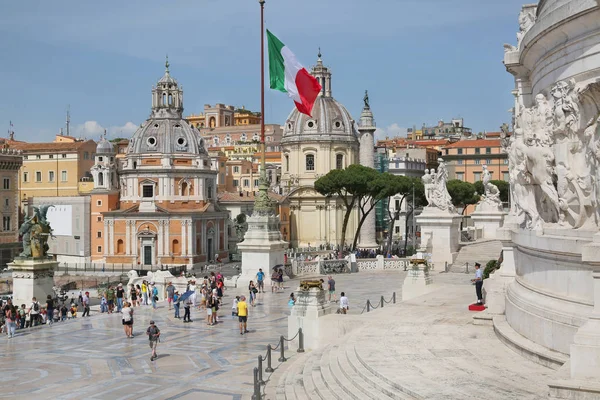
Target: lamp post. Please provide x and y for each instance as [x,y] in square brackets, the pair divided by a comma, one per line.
[414,229]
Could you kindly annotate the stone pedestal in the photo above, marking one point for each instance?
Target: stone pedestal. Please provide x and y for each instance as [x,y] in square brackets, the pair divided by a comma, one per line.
[32,278]
[488,221]
[495,286]
[417,282]
[310,305]
[439,235]
[262,247]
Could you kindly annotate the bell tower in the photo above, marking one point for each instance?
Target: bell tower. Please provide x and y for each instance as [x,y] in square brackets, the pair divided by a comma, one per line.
[323,75]
[167,97]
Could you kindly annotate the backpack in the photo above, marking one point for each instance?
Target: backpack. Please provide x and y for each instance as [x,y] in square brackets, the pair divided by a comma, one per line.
[36,306]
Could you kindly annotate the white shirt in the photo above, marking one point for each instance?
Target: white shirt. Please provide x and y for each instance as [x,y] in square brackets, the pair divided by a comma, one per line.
[85,300]
[127,313]
[33,312]
[344,303]
[479,274]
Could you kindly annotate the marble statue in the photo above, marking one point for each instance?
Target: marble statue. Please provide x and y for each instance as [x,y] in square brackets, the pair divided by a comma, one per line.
[428,184]
[526,21]
[366,99]
[438,194]
[35,232]
[491,198]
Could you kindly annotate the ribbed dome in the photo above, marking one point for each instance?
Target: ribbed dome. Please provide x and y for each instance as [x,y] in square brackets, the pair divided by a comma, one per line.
[104,147]
[167,136]
[330,122]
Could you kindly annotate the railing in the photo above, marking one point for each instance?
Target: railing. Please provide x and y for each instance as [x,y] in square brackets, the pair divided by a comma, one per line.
[369,306]
[117,268]
[259,382]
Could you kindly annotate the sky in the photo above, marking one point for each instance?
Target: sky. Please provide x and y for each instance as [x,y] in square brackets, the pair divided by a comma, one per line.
[420,60]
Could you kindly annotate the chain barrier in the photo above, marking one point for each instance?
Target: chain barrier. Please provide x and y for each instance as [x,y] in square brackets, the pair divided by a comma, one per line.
[297,333]
[369,306]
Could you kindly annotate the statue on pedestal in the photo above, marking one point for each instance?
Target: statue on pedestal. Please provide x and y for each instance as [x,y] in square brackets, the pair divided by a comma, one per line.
[491,198]
[438,196]
[35,232]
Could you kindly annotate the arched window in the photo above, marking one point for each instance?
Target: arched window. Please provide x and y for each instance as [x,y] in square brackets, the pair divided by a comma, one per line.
[120,249]
[175,249]
[339,161]
[310,162]
[170,99]
[287,163]
[212,122]
[164,102]
[184,189]
[101,179]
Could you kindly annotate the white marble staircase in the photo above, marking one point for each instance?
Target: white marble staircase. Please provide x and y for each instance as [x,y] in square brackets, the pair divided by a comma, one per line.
[480,251]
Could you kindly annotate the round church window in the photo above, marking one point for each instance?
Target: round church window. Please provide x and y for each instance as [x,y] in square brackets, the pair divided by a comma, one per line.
[151,141]
[311,124]
[181,141]
[338,124]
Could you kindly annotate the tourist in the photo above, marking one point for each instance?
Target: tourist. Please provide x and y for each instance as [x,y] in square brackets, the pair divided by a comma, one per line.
[133,295]
[344,303]
[110,298]
[144,293]
[73,310]
[176,303]
[154,295]
[138,292]
[214,305]
[253,290]
[209,319]
[56,315]
[22,316]
[50,309]
[170,293]
[63,312]
[219,290]
[34,312]
[10,318]
[292,300]
[478,283]
[331,287]
[103,304]
[234,310]
[120,293]
[187,308]
[203,295]
[280,275]
[86,304]
[153,336]
[242,312]
[128,319]
[260,280]
[274,280]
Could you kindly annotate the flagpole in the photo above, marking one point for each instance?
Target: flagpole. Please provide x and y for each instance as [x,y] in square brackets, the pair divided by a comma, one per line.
[262,86]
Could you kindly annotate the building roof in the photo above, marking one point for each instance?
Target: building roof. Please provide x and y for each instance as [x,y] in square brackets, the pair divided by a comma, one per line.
[430,143]
[245,197]
[49,146]
[474,143]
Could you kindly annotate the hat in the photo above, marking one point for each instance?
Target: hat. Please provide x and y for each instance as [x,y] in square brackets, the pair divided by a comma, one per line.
[151,322]
[177,291]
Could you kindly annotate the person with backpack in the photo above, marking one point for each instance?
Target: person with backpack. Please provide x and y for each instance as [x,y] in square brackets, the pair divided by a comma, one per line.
[187,308]
[34,312]
[153,336]
[154,294]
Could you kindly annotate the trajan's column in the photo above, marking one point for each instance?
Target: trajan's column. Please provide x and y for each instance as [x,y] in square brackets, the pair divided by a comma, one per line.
[366,129]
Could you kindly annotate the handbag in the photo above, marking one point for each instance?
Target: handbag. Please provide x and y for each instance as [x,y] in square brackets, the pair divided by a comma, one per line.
[155,298]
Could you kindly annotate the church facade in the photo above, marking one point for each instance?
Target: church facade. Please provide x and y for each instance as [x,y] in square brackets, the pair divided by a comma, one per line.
[157,204]
[311,147]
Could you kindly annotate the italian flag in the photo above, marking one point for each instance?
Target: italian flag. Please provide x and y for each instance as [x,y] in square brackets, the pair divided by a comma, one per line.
[289,76]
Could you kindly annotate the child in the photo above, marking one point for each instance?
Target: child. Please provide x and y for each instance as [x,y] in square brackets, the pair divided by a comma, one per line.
[22,316]
[209,314]
[63,312]
[56,316]
[153,336]
[73,311]
[234,312]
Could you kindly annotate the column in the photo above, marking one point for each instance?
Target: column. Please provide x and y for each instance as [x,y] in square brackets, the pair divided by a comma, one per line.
[183,237]
[111,242]
[134,244]
[105,249]
[160,238]
[190,238]
[128,237]
[226,235]
[166,231]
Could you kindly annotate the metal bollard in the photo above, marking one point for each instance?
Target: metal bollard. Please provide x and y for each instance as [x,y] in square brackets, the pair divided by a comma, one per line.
[446,266]
[467,271]
[300,341]
[282,354]
[269,367]
[260,379]
[394,297]
[256,395]
[368,305]
[382,301]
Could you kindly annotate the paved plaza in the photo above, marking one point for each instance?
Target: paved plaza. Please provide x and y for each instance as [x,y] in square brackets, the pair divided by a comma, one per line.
[92,358]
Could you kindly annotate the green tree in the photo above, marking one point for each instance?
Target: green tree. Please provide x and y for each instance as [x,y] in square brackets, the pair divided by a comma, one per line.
[462,193]
[420,201]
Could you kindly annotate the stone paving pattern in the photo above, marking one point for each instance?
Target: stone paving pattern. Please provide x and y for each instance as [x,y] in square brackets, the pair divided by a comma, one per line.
[92,358]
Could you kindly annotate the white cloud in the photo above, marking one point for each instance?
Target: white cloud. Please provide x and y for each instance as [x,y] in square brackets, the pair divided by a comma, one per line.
[393,130]
[93,130]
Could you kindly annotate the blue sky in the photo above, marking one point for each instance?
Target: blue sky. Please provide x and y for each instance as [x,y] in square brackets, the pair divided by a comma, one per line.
[421,60]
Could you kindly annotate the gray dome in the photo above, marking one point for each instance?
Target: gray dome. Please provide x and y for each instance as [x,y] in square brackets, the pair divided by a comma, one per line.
[330,121]
[105,147]
[167,136]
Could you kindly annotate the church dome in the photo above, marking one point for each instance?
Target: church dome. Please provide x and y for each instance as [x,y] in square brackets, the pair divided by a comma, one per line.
[104,147]
[330,120]
[166,132]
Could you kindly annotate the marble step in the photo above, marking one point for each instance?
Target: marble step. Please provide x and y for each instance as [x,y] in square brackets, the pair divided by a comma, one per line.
[379,384]
[316,375]
[290,385]
[340,391]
